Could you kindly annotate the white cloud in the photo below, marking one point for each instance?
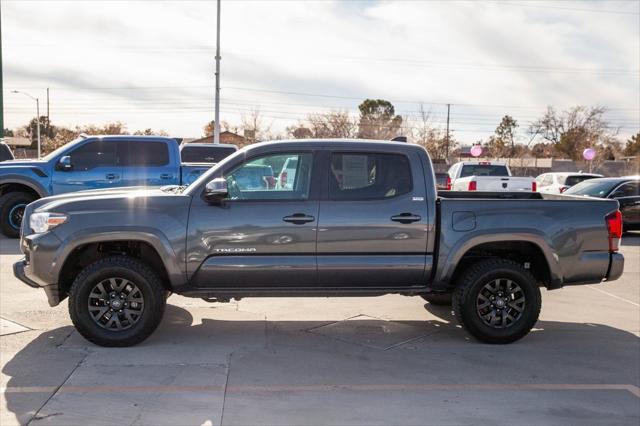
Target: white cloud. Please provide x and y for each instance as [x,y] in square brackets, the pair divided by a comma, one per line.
[150,64]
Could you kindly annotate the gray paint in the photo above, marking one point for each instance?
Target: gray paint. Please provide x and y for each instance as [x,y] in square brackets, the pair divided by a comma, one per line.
[351,247]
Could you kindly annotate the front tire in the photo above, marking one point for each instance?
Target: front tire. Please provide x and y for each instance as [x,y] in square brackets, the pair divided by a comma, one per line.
[497,301]
[12,207]
[116,301]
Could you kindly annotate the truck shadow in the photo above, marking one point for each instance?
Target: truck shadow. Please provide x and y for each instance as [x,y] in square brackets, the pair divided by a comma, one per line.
[284,352]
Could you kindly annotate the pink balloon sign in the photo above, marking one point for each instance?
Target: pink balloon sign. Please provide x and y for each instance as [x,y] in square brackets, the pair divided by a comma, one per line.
[476,150]
[589,154]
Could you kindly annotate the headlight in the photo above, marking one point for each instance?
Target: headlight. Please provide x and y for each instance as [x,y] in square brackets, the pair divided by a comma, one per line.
[43,222]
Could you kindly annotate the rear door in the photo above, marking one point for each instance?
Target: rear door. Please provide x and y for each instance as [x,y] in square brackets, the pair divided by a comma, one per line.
[373,220]
[149,163]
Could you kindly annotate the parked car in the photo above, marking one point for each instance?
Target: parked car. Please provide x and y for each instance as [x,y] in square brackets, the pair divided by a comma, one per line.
[91,162]
[486,176]
[381,228]
[5,152]
[625,190]
[205,152]
[557,183]
[287,175]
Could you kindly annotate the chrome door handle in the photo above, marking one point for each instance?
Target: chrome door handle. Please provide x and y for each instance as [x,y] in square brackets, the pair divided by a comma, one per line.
[406,218]
[166,176]
[111,176]
[298,218]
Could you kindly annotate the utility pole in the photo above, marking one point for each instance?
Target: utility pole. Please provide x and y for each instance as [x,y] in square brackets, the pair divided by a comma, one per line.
[47,108]
[448,111]
[216,128]
[1,90]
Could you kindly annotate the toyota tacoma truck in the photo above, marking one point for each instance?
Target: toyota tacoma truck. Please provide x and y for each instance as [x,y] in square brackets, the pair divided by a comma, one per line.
[486,176]
[91,162]
[361,218]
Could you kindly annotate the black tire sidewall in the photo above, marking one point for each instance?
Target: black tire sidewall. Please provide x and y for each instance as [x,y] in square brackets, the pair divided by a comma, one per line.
[154,303]
[7,202]
[474,324]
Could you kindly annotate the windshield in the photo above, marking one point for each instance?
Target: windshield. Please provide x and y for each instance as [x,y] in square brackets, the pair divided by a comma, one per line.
[593,188]
[64,147]
[483,170]
[574,180]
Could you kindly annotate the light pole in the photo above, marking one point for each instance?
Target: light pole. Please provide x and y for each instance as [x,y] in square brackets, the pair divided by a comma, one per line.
[37,115]
[216,124]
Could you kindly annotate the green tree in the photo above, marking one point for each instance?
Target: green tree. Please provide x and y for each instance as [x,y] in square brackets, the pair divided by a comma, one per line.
[632,148]
[502,142]
[47,130]
[8,133]
[378,120]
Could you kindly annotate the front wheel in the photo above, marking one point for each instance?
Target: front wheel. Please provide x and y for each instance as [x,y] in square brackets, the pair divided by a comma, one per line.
[12,207]
[116,301]
[497,301]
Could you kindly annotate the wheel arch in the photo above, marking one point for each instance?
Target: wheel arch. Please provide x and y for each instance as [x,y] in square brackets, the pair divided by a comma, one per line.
[525,248]
[78,251]
[13,183]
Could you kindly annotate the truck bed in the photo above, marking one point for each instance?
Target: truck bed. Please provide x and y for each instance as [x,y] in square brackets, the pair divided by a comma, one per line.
[570,232]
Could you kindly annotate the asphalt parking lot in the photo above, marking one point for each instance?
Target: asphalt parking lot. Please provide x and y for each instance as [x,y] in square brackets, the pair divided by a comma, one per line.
[343,361]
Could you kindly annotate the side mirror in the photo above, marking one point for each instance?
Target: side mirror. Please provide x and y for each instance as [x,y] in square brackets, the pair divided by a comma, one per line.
[216,191]
[64,163]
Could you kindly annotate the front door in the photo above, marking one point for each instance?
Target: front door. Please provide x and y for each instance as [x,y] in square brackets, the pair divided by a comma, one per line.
[263,235]
[628,195]
[94,165]
[373,222]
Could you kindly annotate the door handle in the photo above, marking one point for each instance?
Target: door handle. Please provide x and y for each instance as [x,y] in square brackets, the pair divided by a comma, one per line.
[166,176]
[406,218]
[111,176]
[298,218]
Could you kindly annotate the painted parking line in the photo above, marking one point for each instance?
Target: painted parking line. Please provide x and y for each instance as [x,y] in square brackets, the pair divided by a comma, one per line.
[634,390]
[613,295]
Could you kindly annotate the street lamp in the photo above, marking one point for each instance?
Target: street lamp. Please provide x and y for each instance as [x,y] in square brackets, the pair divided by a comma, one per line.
[37,115]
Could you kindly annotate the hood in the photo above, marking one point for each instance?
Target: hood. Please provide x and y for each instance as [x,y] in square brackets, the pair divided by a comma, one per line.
[109,193]
[23,162]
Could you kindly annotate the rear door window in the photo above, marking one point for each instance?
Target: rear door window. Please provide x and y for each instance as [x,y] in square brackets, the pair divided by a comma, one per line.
[205,154]
[144,153]
[368,176]
[574,180]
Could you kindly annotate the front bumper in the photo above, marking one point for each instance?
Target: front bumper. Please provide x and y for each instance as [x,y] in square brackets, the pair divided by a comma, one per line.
[22,271]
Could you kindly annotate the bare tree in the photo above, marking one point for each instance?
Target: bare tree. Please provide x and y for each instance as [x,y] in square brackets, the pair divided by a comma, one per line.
[255,128]
[423,133]
[570,132]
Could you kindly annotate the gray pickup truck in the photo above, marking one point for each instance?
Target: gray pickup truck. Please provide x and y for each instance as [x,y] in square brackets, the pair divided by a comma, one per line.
[361,218]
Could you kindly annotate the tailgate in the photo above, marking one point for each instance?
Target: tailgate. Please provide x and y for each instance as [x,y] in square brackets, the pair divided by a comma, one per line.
[503,183]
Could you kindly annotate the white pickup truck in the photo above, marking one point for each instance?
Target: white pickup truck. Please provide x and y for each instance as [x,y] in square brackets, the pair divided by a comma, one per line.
[486,176]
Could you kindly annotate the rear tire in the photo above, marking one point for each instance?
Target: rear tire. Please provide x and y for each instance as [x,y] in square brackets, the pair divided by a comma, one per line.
[438,299]
[497,301]
[116,301]
[12,207]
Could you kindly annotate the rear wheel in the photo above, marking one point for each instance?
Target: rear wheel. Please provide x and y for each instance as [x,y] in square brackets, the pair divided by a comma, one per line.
[437,299]
[12,207]
[116,301]
[497,301]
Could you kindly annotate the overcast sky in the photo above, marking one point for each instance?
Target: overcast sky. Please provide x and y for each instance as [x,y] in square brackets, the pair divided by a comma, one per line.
[151,63]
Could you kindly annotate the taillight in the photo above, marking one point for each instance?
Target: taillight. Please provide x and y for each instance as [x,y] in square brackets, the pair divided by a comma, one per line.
[448,183]
[614,227]
[283,179]
[534,186]
[473,185]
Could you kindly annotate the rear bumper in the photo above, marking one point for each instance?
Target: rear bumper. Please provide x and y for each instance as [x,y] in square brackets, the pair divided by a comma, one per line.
[616,267]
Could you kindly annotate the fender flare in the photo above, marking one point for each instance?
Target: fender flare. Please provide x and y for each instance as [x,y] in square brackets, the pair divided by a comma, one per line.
[26,181]
[461,247]
[160,243]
